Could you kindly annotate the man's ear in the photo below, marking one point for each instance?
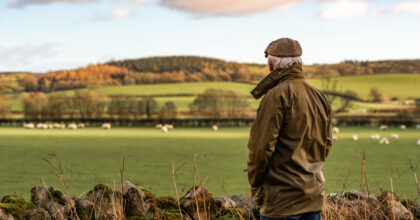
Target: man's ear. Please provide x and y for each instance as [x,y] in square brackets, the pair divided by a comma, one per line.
[270,65]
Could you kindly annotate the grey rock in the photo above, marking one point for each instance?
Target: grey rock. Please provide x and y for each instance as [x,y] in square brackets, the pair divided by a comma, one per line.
[198,192]
[84,208]
[246,203]
[400,211]
[243,202]
[107,203]
[227,202]
[40,195]
[5,216]
[52,200]
[135,204]
[37,214]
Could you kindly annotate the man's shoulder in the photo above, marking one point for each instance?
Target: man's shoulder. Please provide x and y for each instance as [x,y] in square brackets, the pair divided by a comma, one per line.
[280,87]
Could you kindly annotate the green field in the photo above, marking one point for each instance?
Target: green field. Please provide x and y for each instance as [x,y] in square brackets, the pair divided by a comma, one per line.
[95,155]
[394,85]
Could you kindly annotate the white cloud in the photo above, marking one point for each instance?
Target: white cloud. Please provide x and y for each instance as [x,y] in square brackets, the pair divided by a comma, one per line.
[121,12]
[344,9]
[25,54]
[407,7]
[22,3]
[228,7]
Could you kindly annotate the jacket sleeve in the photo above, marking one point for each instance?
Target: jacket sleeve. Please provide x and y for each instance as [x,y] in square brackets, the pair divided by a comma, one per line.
[263,137]
[329,132]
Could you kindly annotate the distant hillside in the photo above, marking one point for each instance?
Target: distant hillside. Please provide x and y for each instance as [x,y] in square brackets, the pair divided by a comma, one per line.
[174,69]
[353,68]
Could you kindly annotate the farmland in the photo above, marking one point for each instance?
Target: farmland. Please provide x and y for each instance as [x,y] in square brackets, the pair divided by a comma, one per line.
[92,155]
[394,85]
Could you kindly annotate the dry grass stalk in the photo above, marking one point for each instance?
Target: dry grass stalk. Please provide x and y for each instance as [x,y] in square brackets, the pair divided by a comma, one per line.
[414,170]
[196,178]
[392,196]
[176,190]
[122,185]
[59,173]
[58,212]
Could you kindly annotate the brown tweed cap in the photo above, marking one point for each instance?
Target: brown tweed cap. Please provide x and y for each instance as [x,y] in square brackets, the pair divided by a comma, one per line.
[284,47]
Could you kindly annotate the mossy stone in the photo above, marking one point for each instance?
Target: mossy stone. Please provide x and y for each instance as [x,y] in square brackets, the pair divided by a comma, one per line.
[58,196]
[16,205]
[166,202]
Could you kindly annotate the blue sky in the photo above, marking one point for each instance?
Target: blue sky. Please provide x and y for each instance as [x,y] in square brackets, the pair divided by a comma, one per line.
[45,35]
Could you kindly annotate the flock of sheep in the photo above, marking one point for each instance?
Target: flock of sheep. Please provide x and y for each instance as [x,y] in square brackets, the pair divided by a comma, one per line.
[71,126]
[163,127]
[384,140]
[166,127]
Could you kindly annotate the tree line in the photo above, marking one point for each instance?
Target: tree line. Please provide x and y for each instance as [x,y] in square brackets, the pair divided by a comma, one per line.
[91,105]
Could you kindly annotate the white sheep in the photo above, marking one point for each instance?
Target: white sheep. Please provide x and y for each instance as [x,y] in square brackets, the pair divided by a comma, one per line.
[164,129]
[384,141]
[403,127]
[81,125]
[417,126]
[42,126]
[336,130]
[215,128]
[383,127]
[169,126]
[375,136]
[354,137]
[106,126]
[59,126]
[395,136]
[418,142]
[28,125]
[50,126]
[72,126]
[159,126]
[334,138]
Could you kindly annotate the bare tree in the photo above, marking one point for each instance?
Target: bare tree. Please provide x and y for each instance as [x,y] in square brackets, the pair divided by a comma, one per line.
[341,101]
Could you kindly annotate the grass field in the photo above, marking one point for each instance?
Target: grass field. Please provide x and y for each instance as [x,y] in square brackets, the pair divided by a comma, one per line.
[95,156]
[394,85]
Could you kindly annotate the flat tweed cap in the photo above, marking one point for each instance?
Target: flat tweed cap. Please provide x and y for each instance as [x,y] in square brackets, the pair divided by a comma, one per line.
[284,47]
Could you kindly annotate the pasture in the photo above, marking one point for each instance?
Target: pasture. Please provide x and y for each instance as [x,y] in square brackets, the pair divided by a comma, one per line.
[394,85]
[92,155]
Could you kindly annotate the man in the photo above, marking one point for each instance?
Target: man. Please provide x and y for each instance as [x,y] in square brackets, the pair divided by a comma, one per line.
[289,140]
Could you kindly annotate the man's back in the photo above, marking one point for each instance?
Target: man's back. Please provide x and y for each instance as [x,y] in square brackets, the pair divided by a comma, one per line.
[288,145]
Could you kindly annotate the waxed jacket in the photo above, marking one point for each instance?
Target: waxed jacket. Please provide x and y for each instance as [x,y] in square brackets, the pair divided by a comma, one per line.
[288,144]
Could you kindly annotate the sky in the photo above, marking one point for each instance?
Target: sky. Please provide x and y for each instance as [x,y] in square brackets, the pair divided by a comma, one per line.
[47,35]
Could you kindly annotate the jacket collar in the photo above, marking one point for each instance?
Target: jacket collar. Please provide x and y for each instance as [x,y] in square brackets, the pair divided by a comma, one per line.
[276,76]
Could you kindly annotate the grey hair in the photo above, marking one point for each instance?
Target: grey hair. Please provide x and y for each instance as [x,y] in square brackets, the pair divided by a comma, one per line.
[284,62]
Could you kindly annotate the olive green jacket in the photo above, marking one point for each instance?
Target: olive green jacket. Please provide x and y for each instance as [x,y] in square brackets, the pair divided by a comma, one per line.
[288,144]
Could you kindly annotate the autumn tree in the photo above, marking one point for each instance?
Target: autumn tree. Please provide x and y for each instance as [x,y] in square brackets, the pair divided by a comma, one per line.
[57,105]
[151,107]
[168,110]
[122,107]
[90,104]
[35,104]
[219,103]
[29,82]
[4,109]
[377,95]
